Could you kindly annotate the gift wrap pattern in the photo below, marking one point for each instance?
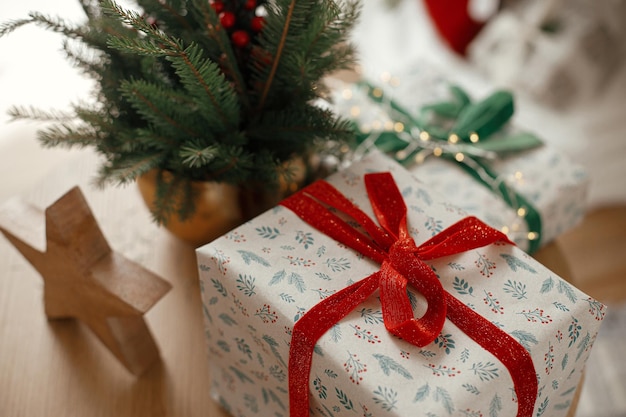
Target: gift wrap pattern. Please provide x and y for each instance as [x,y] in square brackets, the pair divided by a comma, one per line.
[554,185]
[260,278]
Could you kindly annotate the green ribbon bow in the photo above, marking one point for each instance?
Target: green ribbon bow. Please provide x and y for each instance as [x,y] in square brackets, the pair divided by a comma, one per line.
[469,133]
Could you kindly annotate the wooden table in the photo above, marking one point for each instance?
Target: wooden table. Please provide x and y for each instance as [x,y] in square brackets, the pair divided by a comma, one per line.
[59,368]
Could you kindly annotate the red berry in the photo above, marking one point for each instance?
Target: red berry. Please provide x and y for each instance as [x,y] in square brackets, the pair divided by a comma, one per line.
[257,23]
[250,5]
[218,6]
[240,38]
[227,19]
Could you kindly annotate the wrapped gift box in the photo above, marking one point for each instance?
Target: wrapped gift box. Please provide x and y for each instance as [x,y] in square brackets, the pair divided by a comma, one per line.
[554,186]
[259,279]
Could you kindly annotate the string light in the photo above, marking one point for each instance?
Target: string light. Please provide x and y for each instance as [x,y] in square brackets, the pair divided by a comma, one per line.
[388,125]
[420,157]
[453,138]
[376,125]
[437,151]
[459,157]
[521,212]
[377,92]
[398,127]
[355,111]
[385,76]
[505,230]
[474,138]
[518,175]
[401,154]
[532,235]
[424,136]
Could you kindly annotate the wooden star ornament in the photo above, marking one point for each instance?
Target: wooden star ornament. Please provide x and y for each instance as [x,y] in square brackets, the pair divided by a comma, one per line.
[84,278]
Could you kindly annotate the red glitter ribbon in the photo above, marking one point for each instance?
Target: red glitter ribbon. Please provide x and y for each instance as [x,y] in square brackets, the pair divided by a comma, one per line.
[401,262]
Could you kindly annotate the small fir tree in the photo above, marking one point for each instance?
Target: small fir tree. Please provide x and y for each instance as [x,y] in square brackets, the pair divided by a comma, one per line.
[219,90]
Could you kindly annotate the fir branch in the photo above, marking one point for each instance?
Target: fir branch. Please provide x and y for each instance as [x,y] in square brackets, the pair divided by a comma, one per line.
[145,98]
[121,172]
[173,195]
[67,136]
[54,24]
[209,19]
[277,57]
[203,76]
[169,9]
[195,158]
[32,113]
[139,46]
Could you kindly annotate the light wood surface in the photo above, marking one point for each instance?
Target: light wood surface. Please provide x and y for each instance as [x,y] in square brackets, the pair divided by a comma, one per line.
[84,279]
[59,368]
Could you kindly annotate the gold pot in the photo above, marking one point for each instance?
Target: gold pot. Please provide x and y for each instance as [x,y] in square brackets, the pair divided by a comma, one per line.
[220,207]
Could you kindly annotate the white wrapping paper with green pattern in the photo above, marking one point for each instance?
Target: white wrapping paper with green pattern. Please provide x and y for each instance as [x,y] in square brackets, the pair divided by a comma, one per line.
[260,278]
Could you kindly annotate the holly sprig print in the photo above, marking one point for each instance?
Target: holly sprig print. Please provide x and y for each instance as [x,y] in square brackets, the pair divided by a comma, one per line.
[573,329]
[445,342]
[493,303]
[266,314]
[354,367]
[536,316]
[596,309]
[305,238]
[442,370]
[485,265]
[365,334]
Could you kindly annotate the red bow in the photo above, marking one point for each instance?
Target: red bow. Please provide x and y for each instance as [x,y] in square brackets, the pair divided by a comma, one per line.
[401,262]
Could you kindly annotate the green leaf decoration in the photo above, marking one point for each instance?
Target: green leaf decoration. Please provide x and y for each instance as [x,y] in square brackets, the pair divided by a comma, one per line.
[516,263]
[460,95]
[445,109]
[485,117]
[387,365]
[249,257]
[513,142]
